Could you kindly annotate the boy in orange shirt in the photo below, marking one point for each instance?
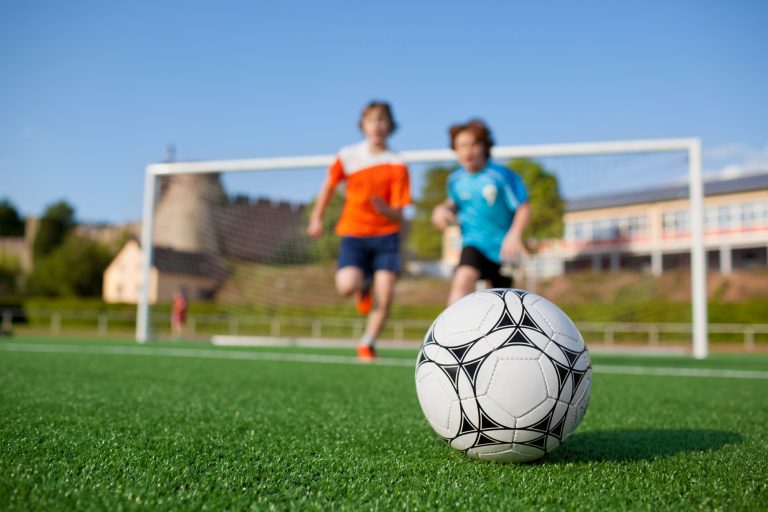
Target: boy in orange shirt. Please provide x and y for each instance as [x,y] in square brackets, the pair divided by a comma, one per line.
[377,190]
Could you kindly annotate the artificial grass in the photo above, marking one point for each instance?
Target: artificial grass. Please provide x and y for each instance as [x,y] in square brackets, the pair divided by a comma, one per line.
[103,431]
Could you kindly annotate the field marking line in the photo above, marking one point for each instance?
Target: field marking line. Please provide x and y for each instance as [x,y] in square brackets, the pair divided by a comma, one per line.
[335,359]
[681,372]
[202,353]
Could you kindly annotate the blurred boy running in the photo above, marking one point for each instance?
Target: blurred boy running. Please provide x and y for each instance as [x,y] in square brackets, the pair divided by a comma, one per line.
[377,190]
[491,206]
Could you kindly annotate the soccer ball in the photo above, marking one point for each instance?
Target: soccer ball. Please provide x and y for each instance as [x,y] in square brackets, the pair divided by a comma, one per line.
[503,375]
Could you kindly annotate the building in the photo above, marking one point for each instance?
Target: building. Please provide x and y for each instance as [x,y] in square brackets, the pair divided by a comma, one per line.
[19,248]
[198,274]
[650,230]
[196,228]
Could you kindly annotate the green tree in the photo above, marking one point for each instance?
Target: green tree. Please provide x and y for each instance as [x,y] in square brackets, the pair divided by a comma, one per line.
[547,206]
[56,222]
[11,224]
[425,240]
[75,268]
[327,246]
[10,272]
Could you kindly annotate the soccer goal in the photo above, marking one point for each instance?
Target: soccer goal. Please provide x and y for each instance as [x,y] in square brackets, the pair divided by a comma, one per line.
[617,240]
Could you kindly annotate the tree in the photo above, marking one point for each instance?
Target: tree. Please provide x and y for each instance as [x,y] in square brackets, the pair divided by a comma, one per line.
[56,222]
[75,268]
[425,240]
[11,224]
[10,272]
[547,206]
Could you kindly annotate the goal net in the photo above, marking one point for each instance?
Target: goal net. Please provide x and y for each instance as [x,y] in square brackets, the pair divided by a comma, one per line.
[616,239]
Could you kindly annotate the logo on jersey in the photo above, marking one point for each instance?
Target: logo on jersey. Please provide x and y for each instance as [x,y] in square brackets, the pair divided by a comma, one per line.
[489,194]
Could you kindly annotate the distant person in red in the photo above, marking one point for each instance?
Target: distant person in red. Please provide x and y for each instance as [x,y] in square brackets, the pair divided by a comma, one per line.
[178,313]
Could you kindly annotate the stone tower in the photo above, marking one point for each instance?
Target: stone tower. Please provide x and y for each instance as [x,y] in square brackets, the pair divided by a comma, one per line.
[185,215]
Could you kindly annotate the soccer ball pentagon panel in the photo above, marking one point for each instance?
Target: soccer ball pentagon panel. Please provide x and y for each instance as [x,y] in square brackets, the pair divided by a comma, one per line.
[503,375]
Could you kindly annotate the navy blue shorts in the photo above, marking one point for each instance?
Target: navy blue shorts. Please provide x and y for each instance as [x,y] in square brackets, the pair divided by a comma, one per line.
[370,253]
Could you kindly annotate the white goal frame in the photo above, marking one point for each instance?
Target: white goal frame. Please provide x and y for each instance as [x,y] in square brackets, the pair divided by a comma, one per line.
[695,191]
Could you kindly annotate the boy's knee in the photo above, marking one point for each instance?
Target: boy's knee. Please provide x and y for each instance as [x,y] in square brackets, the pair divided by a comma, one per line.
[345,288]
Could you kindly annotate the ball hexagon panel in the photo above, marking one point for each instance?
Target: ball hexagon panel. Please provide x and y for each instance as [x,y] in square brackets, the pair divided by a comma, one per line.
[554,323]
[468,319]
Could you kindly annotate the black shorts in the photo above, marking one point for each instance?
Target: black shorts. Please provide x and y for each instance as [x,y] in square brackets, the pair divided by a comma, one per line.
[488,269]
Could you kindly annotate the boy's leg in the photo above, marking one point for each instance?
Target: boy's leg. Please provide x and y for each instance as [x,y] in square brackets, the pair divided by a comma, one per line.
[463,283]
[354,272]
[385,263]
[349,279]
[499,281]
[467,273]
[383,292]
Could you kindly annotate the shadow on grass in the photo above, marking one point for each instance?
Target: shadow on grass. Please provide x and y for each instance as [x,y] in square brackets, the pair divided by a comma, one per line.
[635,445]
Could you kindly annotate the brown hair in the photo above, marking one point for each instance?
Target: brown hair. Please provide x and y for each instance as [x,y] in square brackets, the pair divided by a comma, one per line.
[478,128]
[384,107]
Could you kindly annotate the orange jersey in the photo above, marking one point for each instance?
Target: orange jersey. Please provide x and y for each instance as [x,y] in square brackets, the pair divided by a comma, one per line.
[368,175]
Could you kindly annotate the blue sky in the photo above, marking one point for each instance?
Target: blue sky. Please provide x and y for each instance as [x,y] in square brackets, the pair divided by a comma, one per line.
[92,91]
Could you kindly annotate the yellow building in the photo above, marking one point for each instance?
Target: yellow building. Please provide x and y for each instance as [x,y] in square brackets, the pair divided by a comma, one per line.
[649,229]
[198,274]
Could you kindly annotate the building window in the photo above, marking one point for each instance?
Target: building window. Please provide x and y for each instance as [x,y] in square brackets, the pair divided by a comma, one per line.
[578,231]
[599,229]
[612,228]
[675,222]
[749,214]
[636,226]
[710,218]
[668,222]
[574,231]
[723,217]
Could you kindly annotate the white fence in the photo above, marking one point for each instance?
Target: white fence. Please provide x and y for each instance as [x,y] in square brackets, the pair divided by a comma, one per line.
[117,323]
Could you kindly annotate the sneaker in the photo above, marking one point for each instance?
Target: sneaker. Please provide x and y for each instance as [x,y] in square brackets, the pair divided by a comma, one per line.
[366,353]
[363,301]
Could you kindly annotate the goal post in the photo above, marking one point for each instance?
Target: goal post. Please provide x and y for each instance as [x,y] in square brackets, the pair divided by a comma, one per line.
[689,148]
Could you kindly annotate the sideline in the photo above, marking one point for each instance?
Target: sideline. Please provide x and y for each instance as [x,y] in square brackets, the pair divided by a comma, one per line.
[349,360]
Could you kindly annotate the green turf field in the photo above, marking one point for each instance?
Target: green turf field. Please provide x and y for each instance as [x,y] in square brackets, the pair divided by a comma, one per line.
[111,425]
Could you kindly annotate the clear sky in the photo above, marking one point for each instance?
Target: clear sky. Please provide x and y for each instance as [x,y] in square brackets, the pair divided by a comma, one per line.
[93,91]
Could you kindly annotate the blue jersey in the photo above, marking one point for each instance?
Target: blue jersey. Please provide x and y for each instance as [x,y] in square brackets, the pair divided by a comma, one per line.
[487,201]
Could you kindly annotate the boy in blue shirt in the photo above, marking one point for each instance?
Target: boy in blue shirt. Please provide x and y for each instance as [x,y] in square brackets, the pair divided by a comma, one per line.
[491,206]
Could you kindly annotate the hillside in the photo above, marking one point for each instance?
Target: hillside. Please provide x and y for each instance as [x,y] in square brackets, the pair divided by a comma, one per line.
[312,285]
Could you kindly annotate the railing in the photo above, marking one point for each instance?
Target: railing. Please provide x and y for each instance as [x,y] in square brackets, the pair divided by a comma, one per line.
[201,325]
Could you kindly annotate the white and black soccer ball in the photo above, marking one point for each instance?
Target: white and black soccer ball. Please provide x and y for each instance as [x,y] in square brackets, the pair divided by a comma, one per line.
[503,375]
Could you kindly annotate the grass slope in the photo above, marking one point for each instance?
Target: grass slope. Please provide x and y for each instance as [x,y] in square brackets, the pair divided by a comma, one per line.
[100,431]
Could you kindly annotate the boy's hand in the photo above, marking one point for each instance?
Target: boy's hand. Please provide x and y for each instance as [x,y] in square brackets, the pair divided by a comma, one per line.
[315,228]
[512,248]
[382,208]
[442,216]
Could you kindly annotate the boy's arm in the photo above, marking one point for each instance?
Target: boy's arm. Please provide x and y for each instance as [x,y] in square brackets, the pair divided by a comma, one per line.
[512,247]
[315,227]
[399,198]
[444,214]
[381,207]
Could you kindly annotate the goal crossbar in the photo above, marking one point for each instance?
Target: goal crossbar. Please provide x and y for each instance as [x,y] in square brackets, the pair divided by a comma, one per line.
[425,156]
